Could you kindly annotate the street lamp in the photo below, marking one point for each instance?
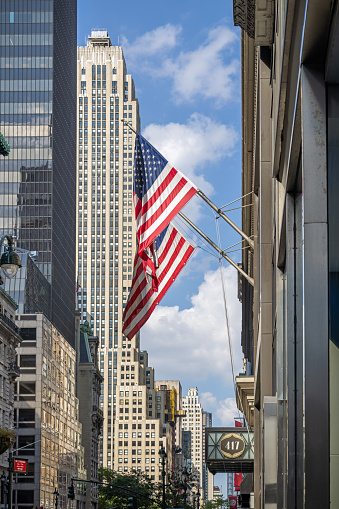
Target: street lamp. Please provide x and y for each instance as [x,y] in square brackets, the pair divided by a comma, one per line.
[198,497]
[56,494]
[163,456]
[9,261]
[185,477]
[5,478]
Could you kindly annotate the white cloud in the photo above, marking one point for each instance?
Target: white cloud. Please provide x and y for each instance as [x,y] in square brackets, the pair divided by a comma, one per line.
[204,72]
[226,411]
[191,147]
[191,345]
[152,43]
[208,401]
[223,411]
[209,71]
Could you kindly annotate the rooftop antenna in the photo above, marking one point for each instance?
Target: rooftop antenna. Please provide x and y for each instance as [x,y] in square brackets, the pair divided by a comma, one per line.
[118,40]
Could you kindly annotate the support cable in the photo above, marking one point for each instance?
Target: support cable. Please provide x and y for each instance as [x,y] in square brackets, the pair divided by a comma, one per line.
[236,388]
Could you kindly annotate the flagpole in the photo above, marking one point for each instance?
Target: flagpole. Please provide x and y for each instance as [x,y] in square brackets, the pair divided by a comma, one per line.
[211,204]
[127,125]
[225,218]
[239,269]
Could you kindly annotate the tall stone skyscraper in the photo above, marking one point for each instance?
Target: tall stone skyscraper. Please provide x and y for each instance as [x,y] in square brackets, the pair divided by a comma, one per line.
[134,427]
[37,116]
[193,422]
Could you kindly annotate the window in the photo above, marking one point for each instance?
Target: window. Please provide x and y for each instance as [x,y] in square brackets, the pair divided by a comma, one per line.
[26,417]
[27,361]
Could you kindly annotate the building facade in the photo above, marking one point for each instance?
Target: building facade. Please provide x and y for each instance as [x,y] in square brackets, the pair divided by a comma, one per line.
[134,428]
[46,417]
[193,422]
[290,121]
[169,393]
[9,371]
[37,117]
[207,476]
[89,382]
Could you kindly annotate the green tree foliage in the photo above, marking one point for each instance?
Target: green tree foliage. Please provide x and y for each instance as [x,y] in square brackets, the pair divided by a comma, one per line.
[220,503]
[135,484]
[147,492]
[4,146]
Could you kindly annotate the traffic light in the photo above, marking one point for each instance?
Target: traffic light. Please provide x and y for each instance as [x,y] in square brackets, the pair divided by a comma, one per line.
[132,503]
[71,492]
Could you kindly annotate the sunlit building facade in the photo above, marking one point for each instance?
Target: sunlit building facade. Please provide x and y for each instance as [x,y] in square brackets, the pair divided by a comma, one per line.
[46,417]
[9,371]
[133,428]
[193,422]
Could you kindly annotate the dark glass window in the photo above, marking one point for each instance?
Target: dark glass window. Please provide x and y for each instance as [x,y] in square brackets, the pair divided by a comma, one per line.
[28,334]
[27,388]
[27,361]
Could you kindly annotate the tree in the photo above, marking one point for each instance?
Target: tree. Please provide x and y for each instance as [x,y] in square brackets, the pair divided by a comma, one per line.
[220,503]
[124,486]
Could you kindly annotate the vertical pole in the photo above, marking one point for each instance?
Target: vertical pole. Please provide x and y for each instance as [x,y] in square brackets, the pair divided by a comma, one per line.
[56,493]
[10,479]
[163,484]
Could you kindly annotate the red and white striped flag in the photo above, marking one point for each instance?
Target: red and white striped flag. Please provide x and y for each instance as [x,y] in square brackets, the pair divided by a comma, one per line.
[171,251]
[160,192]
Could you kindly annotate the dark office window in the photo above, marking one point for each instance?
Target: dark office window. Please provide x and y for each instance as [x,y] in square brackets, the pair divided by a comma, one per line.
[27,361]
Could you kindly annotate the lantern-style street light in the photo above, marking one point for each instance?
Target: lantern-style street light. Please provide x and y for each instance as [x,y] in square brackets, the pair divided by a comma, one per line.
[9,261]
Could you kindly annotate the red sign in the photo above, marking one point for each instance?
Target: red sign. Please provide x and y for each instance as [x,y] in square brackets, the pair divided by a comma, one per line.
[20,465]
[233,500]
[237,481]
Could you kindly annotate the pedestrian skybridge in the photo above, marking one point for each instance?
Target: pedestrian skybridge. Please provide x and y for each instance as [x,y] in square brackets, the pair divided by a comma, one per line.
[229,450]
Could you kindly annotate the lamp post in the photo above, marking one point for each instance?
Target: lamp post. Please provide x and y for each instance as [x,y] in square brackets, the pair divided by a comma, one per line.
[4,477]
[9,261]
[163,456]
[185,479]
[198,497]
[56,494]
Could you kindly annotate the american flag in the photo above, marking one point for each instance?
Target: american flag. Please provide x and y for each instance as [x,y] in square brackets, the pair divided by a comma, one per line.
[160,192]
[172,251]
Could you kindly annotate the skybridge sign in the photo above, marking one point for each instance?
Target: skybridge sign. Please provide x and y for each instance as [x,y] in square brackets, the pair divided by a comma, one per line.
[229,450]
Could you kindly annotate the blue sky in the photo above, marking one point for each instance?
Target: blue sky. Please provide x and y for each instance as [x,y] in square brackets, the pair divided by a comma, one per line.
[184,57]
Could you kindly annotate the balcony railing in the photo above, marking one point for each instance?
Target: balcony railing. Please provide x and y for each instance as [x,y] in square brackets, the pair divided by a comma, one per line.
[9,322]
[13,370]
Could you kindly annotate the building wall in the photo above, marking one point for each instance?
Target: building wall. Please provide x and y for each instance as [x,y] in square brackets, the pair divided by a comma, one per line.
[193,422]
[207,477]
[89,383]
[289,83]
[9,341]
[134,427]
[46,416]
[37,117]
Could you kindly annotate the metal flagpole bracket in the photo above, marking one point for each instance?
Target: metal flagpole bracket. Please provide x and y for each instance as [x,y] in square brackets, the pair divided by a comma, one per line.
[225,218]
[239,269]
[127,125]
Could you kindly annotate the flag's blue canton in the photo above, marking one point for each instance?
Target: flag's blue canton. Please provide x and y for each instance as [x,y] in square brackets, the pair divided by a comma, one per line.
[148,164]
[158,240]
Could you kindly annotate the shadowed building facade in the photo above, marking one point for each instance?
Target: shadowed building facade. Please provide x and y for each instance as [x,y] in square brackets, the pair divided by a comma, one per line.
[290,121]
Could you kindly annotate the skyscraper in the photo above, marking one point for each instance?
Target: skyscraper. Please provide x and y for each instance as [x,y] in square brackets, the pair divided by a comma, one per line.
[134,427]
[193,422]
[37,116]
[207,476]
